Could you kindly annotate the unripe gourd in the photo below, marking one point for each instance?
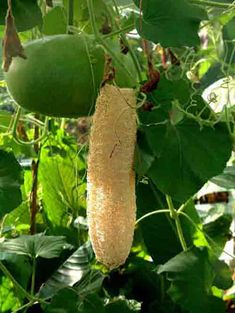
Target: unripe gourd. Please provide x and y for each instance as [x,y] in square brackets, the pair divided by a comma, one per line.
[111,203]
[61,76]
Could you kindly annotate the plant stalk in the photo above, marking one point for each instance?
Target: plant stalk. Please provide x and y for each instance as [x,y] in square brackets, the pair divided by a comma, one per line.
[220,5]
[70,13]
[33,276]
[15,283]
[100,39]
[125,41]
[175,216]
[150,214]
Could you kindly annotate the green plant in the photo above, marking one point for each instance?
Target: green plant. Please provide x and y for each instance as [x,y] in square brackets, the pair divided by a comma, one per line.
[53,182]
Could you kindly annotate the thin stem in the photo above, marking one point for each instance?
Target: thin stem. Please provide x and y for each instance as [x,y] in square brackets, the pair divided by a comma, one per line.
[175,216]
[150,214]
[23,307]
[16,284]
[125,41]
[14,130]
[180,233]
[33,276]
[171,207]
[70,13]
[100,39]
[212,4]
[206,236]
[119,31]
[183,206]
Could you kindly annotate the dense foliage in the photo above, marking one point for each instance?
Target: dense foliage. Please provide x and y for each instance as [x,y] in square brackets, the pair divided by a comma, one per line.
[170,52]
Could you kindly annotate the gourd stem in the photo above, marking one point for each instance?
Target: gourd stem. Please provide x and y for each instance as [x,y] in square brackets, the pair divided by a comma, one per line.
[101,40]
[175,216]
[125,41]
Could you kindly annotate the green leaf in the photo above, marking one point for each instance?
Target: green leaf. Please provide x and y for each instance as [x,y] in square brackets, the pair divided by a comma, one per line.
[219,232]
[36,246]
[223,275]
[75,269]
[159,231]
[8,301]
[143,155]
[185,156]
[19,218]
[18,265]
[191,277]
[61,174]
[91,303]
[125,76]
[68,301]
[82,17]
[5,119]
[26,12]
[226,179]
[228,37]
[65,301]
[55,21]
[10,180]
[170,23]
[122,305]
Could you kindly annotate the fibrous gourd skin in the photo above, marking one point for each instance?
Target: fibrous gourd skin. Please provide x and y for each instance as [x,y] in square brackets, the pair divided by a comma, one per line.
[111,203]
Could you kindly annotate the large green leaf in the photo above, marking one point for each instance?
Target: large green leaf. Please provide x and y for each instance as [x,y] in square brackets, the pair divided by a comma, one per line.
[122,305]
[191,276]
[81,13]
[10,180]
[61,174]
[18,265]
[228,36]
[186,156]
[26,12]
[55,21]
[65,301]
[159,231]
[5,118]
[75,269]
[143,155]
[223,275]
[35,246]
[68,301]
[170,23]
[18,220]
[226,179]
[218,232]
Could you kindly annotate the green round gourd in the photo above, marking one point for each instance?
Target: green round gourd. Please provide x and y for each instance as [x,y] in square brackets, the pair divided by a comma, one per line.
[61,76]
